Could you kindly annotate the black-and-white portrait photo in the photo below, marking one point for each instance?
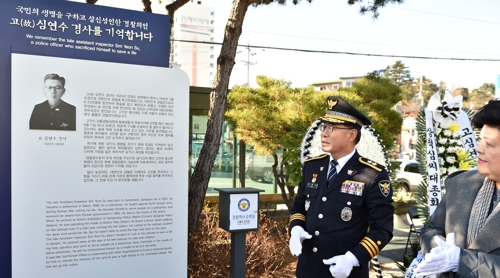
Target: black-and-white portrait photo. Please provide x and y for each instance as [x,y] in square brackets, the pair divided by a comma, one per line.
[54,113]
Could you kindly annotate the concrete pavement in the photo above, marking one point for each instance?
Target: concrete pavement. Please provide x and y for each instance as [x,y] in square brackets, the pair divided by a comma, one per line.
[394,250]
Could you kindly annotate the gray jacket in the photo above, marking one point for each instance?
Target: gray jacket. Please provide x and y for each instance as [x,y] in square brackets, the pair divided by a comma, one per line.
[482,258]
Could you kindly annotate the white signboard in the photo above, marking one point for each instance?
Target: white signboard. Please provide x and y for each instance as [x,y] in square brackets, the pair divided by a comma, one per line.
[243,211]
[104,192]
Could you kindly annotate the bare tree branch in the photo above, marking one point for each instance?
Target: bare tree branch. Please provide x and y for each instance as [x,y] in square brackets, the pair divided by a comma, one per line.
[147,6]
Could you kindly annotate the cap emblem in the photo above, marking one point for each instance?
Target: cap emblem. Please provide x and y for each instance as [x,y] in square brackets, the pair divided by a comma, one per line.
[331,104]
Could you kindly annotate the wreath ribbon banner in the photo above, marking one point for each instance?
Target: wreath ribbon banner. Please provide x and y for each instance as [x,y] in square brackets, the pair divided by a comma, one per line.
[432,162]
[440,112]
[467,132]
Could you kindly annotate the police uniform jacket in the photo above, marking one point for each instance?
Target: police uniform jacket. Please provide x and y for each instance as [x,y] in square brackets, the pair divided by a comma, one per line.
[482,257]
[354,213]
[61,117]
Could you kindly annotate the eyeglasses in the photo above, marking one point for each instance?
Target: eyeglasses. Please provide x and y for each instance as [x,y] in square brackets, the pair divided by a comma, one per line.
[330,128]
[58,88]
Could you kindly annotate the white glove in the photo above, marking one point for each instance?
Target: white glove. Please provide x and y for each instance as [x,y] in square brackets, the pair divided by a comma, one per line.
[341,266]
[297,236]
[443,258]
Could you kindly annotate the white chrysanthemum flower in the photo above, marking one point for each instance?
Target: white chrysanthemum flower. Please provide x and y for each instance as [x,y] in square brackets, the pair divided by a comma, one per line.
[450,149]
[452,169]
[451,159]
[456,134]
[441,150]
[369,147]
[442,170]
[442,141]
[447,133]
[441,161]
[445,123]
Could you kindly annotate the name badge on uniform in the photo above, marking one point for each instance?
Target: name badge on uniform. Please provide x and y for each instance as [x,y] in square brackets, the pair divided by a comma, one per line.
[352,187]
[312,185]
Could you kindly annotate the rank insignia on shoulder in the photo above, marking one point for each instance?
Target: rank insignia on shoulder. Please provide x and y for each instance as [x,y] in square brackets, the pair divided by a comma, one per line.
[317,157]
[385,187]
[371,163]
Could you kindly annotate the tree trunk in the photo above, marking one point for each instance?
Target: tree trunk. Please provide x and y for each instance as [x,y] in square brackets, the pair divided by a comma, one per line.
[281,180]
[218,99]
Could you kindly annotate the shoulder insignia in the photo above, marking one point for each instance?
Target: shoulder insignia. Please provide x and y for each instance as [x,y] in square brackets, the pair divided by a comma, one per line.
[385,187]
[371,163]
[317,157]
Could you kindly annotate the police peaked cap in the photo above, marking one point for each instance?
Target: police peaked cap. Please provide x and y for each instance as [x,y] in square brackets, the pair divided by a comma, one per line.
[340,112]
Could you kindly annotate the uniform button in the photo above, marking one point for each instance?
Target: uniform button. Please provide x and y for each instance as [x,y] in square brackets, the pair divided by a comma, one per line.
[317,233]
[348,203]
[323,199]
[315,249]
[320,216]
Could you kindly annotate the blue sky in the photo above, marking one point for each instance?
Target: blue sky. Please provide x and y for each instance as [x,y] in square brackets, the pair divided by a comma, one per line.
[441,29]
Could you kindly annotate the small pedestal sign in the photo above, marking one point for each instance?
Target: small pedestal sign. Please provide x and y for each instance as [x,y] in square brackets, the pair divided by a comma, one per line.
[238,213]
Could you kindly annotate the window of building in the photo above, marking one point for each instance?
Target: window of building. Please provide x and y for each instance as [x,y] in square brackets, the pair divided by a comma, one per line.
[212,47]
[212,13]
[224,172]
[211,56]
[211,65]
[336,87]
[348,84]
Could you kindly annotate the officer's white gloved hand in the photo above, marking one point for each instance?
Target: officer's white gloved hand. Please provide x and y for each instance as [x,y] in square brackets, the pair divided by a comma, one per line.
[297,236]
[443,258]
[341,266]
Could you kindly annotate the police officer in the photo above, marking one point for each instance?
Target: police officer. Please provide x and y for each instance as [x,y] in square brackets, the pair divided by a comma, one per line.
[54,113]
[343,213]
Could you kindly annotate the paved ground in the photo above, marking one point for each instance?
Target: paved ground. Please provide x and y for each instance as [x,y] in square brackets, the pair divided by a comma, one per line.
[394,251]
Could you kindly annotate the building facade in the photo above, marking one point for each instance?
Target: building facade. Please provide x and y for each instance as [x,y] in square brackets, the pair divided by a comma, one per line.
[342,82]
[194,22]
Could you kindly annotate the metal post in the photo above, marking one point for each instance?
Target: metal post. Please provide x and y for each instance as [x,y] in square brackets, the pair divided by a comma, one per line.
[235,162]
[238,254]
[243,154]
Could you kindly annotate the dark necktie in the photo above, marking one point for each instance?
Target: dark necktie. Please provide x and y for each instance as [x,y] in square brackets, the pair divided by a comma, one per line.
[333,170]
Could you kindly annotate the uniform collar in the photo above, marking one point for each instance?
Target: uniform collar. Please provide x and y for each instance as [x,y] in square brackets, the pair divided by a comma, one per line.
[343,160]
